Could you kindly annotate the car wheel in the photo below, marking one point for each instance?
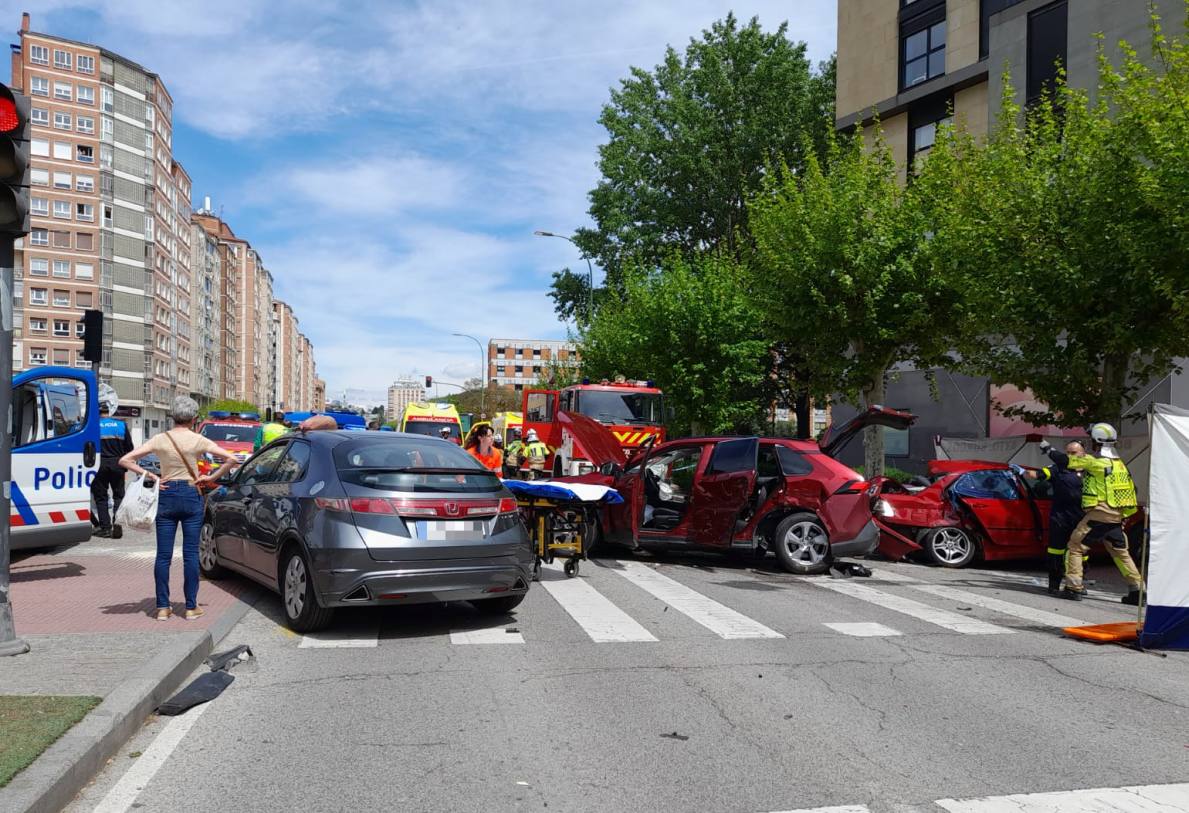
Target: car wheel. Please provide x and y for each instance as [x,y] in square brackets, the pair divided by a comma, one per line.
[950,547]
[303,613]
[208,554]
[802,545]
[498,606]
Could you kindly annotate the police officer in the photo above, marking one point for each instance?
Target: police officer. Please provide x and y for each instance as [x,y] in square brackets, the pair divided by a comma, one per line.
[1108,496]
[270,431]
[115,441]
[1066,512]
[535,454]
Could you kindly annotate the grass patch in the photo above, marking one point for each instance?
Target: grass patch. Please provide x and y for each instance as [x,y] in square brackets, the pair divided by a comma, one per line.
[29,724]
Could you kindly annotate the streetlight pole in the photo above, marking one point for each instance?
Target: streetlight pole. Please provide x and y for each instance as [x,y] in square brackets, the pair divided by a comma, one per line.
[589,268]
[482,372]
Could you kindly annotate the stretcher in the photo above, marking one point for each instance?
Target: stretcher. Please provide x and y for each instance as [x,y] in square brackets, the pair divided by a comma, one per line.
[560,517]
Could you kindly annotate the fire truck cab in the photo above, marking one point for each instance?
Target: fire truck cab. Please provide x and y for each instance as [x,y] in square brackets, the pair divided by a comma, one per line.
[634,412]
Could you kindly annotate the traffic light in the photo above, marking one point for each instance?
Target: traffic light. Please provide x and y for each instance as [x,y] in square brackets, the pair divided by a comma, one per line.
[93,335]
[428,381]
[14,163]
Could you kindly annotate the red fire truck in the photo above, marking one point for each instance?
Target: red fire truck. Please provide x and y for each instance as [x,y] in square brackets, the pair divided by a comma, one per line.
[634,411]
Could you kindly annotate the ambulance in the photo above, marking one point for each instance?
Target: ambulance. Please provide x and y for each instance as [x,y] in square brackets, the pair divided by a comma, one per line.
[55,456]
[508,425]
[430,419]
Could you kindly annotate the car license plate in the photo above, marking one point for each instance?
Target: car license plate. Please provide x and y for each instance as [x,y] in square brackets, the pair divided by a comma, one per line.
[449,530]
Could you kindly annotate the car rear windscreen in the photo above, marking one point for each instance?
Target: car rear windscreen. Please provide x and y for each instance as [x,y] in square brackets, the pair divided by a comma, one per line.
[413,465]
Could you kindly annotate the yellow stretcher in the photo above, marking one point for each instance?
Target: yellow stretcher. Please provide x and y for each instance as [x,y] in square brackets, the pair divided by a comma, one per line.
[561,519]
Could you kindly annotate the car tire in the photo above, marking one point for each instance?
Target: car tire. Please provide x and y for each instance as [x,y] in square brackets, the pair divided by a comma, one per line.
[498,606]
[208,554]
[303,613]
[950,546]
[802,544]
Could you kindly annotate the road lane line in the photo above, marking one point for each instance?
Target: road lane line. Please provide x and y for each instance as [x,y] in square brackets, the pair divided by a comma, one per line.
[491,635]
[1006,607]
[341,639]
[892,576]
[863,629]
[932,615]
[601,619]
[837,809]
[719,619]
[1135,799]
[122,796]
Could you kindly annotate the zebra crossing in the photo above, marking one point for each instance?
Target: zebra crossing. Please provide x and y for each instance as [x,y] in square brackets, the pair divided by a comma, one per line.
[598,605]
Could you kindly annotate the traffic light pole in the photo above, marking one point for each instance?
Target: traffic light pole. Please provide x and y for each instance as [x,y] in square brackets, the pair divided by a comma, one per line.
[10,644]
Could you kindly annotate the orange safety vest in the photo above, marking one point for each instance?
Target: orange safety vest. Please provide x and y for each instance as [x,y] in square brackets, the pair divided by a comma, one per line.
[493,461]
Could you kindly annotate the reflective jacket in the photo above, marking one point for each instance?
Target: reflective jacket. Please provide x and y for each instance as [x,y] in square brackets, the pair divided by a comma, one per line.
[1106,481]
[535,454]
[114,440]
[267,433]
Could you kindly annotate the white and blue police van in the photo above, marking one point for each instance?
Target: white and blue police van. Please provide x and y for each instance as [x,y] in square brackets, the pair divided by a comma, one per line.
[55,455]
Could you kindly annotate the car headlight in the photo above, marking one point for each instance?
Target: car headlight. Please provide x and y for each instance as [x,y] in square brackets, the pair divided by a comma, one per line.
[884,508]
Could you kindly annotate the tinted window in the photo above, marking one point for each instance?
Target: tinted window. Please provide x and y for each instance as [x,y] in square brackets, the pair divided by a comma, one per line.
[621,407]
[793,464]
[229,433]
[293,467]
[393,465]
[47,408]
[734,455]
[259,468]
[1047,46]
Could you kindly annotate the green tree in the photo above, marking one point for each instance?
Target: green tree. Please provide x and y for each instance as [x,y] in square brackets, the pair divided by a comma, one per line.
[227,405]
[691,327]
[844,278]
[689,143]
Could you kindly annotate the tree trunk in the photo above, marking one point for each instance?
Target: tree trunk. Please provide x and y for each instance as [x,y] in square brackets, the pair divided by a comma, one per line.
[873,447]
[1114,381]
[804,414]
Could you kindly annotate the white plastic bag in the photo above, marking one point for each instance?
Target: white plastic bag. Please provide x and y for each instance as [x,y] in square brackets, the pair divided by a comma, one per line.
[139,508]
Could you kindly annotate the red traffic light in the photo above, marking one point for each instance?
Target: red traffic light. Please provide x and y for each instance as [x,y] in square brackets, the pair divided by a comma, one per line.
[428,381]
[10,118]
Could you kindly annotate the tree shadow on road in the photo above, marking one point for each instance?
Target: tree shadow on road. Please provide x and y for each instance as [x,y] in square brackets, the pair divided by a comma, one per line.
[42,571]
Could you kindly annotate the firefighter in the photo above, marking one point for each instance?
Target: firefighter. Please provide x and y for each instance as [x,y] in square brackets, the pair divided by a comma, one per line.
[512,454]
[270,431]
[534,455]
[115,441]
[1067,506]
[1108,497]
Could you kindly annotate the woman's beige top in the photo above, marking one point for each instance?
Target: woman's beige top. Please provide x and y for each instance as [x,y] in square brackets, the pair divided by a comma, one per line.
[193,446]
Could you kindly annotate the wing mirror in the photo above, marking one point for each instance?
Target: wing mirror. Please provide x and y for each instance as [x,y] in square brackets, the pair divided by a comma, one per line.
[611,469]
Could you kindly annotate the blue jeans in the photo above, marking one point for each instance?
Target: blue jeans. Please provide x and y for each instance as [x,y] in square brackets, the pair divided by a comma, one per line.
[178,503]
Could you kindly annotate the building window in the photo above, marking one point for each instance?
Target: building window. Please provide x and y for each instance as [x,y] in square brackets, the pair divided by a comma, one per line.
[80,330]
[86,124]
[39,147]
[39,177]
[39,267]
[105,156]
[39,237]
[62,59]
[37,355]
[61,239]
[37,325]
[63,180]
[62,209]
[61,299]
[86,242]
[1048,44]
[84,183]
[39,55]
[84,211]
[86,64]
[62,121]
[39,86]
[39,296]
[39,115]
[922,42]
[109,100]
[84,270]
[64,91]
[83,299]
[62,151]
[86,154]
[61,327]
[61,356]
[86,95]
[62,268]
[39,207]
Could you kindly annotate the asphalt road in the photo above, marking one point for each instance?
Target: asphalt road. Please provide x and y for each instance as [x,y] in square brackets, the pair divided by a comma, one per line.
[953,684]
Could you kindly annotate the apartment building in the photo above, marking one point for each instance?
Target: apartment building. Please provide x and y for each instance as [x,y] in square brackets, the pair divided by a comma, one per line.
[516,363]
[288,358]
[402,393]
[206,273]
[308,377]
[319,395]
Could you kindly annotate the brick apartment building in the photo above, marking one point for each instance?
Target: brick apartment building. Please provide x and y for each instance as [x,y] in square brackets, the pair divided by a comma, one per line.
[516,363]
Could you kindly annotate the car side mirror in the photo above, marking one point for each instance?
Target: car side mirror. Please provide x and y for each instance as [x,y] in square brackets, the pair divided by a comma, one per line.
[611,469]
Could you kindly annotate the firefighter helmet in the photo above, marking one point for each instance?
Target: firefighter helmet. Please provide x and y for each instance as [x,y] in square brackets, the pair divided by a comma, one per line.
[1103,433]
[531,435]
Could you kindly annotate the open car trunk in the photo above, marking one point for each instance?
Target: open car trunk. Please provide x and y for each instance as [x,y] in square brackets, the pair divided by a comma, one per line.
[836,437]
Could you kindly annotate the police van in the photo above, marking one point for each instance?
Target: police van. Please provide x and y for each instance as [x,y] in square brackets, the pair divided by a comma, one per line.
[55,456]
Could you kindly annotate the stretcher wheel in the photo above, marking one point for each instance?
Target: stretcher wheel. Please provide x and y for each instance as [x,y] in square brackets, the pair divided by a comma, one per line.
[571,568]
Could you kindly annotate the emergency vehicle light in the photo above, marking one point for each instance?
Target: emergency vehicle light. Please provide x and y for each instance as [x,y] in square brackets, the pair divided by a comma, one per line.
[218,414]
[249,416]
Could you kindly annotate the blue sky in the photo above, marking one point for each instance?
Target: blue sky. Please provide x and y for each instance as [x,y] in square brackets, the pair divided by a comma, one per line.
[390,160]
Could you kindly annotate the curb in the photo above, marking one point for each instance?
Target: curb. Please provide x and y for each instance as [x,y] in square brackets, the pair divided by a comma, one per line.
[56,777]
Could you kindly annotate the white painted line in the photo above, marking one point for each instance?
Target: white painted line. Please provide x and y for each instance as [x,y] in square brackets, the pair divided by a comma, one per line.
[863,629]
[1006,607]
[122,796]
[595,613]
[839,809]
[719,619]
[942,618]
[884,575]
[341,639]
[492,635]
[1137,799]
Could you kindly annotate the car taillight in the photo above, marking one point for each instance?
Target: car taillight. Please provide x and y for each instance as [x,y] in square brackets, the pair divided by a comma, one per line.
[332,504]
[509,505]
[418,509]
[367,505]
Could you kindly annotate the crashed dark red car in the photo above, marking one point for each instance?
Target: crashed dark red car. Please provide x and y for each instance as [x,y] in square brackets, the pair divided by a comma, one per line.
[742,494]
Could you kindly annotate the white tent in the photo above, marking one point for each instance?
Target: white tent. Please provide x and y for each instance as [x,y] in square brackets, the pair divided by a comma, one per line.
[1166,624]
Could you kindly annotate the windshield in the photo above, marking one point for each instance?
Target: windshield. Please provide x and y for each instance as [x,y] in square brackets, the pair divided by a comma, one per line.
[230,433]
[394,465]
[621,407]
[433,428]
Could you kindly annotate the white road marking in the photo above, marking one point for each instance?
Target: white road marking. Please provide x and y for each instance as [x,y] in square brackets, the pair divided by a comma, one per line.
[1136,799]
[122,796]
[341,639]
[942,618]
[885,575]
[491,635]
[595,613]
[719,619]
[863,629]
[1006,607]
[839,809]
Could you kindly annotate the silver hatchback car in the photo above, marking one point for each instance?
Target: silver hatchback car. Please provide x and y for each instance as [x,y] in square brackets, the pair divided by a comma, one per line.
[340,519]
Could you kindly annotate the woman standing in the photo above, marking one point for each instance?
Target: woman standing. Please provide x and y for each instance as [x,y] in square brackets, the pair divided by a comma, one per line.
[179,501]
[481,446]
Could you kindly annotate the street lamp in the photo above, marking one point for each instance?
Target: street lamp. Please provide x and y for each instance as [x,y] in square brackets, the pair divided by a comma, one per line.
[482,372]
[589,267]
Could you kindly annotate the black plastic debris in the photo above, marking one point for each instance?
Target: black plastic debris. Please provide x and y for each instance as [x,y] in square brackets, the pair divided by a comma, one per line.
[202,689]
[848,569]
[224,661]
[675,736]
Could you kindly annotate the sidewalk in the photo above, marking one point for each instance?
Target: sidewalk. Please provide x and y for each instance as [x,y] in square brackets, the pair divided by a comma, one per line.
[87,612]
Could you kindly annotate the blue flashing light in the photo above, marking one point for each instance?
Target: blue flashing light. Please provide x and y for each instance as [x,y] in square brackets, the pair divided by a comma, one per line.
[586,381]
[249,416]
[218,414]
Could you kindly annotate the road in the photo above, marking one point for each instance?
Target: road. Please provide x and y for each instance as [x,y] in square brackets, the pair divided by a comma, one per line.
[677,684]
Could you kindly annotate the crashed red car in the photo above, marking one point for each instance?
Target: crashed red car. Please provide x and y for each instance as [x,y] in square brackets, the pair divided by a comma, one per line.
[744,494]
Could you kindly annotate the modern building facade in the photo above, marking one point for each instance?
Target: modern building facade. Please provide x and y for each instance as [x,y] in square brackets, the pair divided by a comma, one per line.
[402,393]
[518,363]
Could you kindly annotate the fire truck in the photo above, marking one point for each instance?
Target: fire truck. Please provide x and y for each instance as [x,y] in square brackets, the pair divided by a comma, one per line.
[634,412]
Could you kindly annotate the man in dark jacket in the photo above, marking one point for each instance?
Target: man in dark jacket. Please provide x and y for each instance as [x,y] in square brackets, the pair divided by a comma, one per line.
[114,442]
[1067,507]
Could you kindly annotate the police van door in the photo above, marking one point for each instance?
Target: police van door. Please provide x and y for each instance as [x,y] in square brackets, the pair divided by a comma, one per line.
[55,454]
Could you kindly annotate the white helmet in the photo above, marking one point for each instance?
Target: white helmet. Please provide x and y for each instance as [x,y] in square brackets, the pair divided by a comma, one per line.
[531,435]
[1103,433]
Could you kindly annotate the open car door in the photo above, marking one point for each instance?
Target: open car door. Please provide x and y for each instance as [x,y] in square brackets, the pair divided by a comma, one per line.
[723,491]
[1001,506]
[838,436]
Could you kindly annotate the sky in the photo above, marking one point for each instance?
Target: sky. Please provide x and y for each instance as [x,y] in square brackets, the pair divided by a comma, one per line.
[391,160]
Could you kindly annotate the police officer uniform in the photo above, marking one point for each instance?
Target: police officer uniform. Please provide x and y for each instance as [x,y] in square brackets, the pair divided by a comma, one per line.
[115,441]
